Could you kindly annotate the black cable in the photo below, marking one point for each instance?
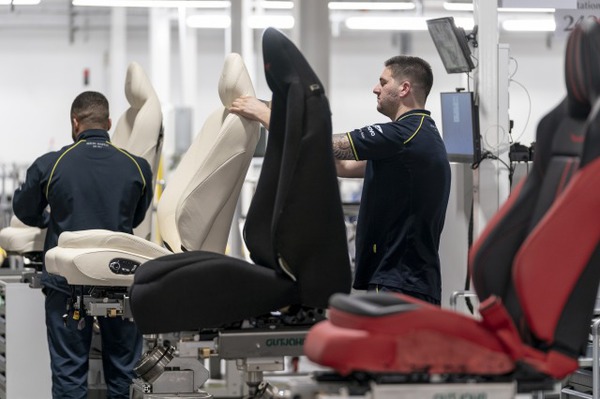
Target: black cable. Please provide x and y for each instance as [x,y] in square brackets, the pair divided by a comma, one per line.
[489,155]
[475,165]
[470,244]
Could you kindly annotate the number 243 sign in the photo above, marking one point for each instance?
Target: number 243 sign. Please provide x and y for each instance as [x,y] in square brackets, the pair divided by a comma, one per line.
[566,20]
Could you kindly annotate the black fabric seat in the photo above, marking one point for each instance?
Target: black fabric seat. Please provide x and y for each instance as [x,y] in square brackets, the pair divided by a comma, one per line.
[294,229]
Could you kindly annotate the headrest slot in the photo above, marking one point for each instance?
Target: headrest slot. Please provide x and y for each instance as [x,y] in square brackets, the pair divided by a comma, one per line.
[315,89]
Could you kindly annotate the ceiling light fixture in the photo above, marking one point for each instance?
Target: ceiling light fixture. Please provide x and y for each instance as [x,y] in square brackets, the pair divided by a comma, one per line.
[518,9]
[386,23]
[203,21]
[275,21]
[456,6]
[276,5]
[398,23]
[20,2]
[529,25]
[153,3]
[460,6]
[371,5]
[208,21]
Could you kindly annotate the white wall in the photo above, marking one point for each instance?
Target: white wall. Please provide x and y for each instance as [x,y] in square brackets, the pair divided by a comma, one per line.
[541,71]
[357,62]
[41,73]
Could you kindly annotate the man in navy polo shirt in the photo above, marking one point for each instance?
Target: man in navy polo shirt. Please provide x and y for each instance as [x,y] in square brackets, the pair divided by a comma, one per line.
[406,185]
[406,182]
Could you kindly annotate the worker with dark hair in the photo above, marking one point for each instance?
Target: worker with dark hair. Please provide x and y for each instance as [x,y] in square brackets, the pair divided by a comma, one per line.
[406,182]
[90,184]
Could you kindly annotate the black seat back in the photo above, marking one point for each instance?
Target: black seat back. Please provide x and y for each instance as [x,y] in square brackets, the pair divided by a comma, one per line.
[295,223]
[294,231]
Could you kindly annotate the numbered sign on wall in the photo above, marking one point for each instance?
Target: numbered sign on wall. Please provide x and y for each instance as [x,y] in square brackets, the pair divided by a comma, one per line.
[567,19]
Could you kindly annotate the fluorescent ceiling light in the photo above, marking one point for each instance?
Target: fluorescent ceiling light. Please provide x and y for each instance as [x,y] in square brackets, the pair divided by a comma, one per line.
[20,2]
[153,3]
[529,25]
[518,9]
[452,6]
[203,21]
[209,21]
[276,5]
[460,6]
[398,23]
[386,23]
[275,21]
[371,5]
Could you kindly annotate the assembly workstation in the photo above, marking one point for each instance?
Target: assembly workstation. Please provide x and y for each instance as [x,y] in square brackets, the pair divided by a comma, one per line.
[240,275]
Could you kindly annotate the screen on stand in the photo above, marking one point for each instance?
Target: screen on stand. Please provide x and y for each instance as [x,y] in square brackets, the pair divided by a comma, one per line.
[460,127]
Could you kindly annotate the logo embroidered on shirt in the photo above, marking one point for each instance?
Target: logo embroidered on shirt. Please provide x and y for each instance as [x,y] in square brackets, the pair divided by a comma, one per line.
[370,129]
[96,144]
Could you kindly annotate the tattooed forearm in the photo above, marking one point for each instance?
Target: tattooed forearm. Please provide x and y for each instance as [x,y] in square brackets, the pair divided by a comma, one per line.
[341,147]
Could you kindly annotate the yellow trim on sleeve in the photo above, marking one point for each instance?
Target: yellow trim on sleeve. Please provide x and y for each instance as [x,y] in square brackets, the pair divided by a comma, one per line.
[352,145]
[56,164]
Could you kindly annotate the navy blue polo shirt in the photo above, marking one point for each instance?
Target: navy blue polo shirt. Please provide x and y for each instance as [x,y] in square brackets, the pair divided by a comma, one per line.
[90,184]
[403,204]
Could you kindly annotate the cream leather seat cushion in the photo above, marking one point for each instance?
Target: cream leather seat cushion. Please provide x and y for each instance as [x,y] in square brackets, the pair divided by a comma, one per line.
[84,257]
[19,238]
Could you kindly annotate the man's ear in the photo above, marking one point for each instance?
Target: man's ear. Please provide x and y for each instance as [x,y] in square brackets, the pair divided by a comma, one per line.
[75,123]
[109,124]
[405,87]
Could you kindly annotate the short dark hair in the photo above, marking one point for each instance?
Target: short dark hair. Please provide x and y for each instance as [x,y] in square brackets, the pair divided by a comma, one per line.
[415,69]
[90,108]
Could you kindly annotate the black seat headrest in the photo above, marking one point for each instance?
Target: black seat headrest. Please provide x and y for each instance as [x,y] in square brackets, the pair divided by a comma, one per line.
[582,63]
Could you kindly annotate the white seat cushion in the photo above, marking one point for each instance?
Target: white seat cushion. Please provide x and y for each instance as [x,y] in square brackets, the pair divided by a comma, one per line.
[19,238]
[85,257]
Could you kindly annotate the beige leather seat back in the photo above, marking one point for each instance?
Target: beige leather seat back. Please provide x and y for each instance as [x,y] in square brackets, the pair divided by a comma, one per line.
[197,206]
[22,239]
[139,130]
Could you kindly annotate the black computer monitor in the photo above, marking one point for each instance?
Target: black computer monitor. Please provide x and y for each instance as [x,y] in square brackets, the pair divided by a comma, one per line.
[452,44]
[460,127]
